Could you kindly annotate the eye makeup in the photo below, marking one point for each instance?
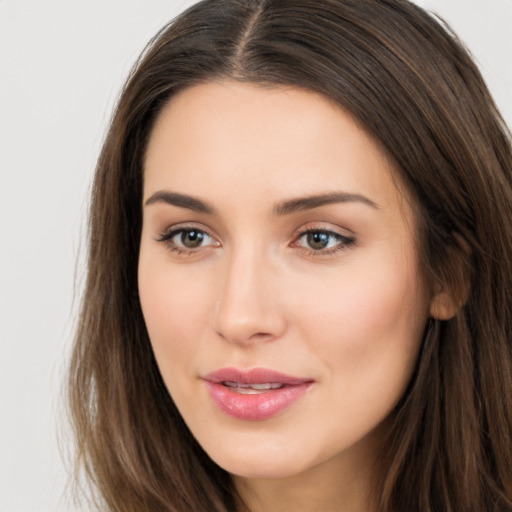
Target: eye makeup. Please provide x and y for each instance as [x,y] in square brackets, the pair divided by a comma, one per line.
[322,242]
[314,241]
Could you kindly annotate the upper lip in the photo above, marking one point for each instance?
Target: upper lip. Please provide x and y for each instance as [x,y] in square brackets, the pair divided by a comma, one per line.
[253,376]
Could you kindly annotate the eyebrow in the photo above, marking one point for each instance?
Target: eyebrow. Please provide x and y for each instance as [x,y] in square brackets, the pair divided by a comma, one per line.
[181,200]
[284,208]
[310,202]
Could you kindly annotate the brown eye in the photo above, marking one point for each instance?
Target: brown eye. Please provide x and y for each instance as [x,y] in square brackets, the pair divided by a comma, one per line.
[317,240]
[191,239]
[323,242]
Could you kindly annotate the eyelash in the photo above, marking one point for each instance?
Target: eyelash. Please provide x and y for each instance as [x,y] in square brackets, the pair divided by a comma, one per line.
[343,242]
[167,236]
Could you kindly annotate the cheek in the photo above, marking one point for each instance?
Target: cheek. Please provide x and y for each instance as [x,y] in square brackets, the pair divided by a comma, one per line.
[375,310]
[367,336]
[174,311]
[367,327]
[386,297]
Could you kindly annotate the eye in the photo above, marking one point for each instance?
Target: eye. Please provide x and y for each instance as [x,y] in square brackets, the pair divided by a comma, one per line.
[320,241]
[191,238]
[187,239]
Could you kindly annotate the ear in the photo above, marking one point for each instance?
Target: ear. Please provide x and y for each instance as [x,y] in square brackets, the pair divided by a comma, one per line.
[449,299]
[443,306]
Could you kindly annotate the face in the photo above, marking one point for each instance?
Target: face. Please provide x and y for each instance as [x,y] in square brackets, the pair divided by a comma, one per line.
[278,277]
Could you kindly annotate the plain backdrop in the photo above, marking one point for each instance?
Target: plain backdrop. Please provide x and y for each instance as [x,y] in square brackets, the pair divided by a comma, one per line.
[61,66]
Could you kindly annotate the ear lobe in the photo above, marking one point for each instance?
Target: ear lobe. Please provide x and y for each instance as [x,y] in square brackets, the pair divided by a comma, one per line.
[451,296]
[443,306]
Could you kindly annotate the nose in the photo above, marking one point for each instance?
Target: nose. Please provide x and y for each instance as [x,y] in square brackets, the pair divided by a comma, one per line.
[249,307]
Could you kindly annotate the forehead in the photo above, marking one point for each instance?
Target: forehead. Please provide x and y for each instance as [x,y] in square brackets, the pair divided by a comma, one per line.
[238,141]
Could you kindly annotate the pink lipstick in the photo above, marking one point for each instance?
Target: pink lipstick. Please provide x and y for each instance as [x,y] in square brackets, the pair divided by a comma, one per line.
[255,394]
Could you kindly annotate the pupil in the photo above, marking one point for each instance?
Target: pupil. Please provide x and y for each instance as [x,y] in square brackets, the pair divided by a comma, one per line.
[318,240]
[191,239]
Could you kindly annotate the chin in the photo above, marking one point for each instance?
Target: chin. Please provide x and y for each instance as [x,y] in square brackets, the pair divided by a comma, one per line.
[262,469]
[261,461]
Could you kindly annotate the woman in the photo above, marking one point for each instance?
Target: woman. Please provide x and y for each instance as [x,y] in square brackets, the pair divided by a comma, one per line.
[299,270]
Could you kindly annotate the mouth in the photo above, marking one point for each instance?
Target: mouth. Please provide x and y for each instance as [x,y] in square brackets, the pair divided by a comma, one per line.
[252,389]
[255,394]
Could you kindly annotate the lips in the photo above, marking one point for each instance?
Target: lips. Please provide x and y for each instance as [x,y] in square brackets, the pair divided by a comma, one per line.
[256,394]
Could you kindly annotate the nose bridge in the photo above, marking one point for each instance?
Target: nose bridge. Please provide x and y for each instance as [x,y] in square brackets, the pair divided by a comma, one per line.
[247,309]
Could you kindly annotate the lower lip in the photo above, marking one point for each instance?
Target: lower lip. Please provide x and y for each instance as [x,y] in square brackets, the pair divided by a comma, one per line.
[258,406]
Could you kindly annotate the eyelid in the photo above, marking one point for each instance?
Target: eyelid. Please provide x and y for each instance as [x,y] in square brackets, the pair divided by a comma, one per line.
[324,227]
[170,232]
[345,240]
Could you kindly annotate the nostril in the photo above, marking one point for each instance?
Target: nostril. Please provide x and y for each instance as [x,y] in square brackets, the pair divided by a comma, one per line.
[241,337]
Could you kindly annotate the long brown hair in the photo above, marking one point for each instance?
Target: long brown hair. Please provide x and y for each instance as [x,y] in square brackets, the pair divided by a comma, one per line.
[412,84]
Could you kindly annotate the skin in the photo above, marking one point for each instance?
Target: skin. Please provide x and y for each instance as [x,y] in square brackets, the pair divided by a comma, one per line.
[254,292]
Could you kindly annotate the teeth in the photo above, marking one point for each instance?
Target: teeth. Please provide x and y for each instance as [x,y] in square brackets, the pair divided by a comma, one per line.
[252,389]
[267,385]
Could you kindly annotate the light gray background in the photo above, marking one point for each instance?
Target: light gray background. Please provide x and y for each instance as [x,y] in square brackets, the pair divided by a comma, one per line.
[61,66]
